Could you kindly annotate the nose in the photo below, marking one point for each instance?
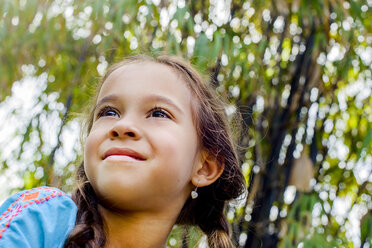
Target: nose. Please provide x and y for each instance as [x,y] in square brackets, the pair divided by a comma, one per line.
[124,128]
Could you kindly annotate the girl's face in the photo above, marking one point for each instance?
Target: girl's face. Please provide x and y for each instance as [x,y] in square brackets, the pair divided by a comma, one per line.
[142,149]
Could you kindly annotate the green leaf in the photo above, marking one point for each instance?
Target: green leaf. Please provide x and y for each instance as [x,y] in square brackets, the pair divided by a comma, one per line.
[217,45]
[201,50]
[367,141]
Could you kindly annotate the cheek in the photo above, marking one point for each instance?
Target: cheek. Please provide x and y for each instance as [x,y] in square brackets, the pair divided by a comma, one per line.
[178,142]
[89,146]
[87,159]
[179,152]
[95,137]
[91,151]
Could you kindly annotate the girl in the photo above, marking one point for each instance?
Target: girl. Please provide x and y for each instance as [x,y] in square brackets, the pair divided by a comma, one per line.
[158,152]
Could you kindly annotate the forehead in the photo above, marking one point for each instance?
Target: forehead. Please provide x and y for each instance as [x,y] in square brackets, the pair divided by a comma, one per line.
[143,78]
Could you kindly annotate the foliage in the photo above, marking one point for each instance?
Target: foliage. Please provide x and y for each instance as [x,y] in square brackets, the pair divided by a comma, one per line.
[298,71]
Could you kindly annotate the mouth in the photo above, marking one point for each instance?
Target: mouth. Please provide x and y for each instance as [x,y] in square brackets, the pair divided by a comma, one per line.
[123,154]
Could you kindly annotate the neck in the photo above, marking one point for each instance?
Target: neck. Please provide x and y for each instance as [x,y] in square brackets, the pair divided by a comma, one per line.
[136,229]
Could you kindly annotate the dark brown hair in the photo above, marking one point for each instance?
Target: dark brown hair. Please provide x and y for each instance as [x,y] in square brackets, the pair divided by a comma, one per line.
[215,136]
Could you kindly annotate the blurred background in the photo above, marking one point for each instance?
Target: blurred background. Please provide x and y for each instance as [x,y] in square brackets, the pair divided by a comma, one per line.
[298,71]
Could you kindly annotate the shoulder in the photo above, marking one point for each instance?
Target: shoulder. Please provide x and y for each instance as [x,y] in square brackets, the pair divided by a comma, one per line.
[37,216]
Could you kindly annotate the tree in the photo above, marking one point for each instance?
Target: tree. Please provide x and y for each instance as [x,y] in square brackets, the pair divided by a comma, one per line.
[299,72]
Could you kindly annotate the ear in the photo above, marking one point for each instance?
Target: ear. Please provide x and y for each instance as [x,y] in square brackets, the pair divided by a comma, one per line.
[208,170]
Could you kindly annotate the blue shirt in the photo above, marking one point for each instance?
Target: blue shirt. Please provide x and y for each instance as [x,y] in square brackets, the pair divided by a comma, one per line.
[39,217]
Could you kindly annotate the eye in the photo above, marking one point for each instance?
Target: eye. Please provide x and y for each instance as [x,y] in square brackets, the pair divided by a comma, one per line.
[107,111]
[159,113]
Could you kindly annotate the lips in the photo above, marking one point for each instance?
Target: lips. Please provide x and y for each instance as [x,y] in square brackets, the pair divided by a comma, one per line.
[117,152]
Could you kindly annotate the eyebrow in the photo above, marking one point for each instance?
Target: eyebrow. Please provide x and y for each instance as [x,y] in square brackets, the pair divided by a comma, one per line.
[166,100]
[109,98]
[152,97]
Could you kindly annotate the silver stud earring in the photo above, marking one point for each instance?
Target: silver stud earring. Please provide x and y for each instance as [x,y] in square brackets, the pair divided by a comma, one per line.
[194,193]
